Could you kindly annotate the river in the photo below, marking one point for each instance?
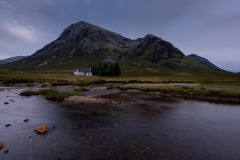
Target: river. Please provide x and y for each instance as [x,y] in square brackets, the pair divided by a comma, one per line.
[150,128]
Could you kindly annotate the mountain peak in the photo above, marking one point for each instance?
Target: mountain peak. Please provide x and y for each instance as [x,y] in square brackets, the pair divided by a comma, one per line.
[82,24]
[83,29]
[149,36]
[79,26]
[83,41]
[193,55]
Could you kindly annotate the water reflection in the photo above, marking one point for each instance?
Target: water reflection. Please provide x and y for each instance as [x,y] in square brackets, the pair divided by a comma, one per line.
[151,128]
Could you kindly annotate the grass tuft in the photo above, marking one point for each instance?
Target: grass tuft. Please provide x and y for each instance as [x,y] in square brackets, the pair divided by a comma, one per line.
[51,94]
[29,93]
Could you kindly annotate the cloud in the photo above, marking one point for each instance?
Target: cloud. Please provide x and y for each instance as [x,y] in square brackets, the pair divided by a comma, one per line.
[87,2]
[207,28]
[25,32]
[230,67]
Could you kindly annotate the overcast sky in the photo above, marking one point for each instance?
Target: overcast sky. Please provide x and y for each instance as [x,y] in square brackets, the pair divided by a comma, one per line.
[209,28]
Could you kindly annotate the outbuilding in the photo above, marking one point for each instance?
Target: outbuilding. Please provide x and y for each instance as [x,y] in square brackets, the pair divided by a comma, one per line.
[83,72]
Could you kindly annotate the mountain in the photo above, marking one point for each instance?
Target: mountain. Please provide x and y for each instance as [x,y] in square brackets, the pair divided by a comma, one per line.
[84,45]
[202,61]
[12,59]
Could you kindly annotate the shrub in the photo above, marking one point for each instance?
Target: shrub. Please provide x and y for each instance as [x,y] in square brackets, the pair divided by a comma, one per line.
[90,82]
[16,81]
[51,94]
[107,70]
[61,83]
[44,85]
[81,89]
[29,93]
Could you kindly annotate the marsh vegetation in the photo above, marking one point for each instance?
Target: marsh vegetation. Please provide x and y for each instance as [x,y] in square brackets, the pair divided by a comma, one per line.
[211,86]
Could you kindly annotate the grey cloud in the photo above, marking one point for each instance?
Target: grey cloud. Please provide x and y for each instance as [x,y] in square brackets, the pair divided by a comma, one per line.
[208,28]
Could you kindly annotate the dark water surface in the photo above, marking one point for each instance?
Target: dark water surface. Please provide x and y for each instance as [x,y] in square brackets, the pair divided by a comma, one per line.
[151,128]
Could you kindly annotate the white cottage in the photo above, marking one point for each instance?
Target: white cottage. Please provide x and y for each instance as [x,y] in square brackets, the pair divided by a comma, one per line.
[83,72]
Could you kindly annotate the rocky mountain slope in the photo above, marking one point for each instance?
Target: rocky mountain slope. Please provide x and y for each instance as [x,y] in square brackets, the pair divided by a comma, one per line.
[84,45]
[12,59]
[202,61]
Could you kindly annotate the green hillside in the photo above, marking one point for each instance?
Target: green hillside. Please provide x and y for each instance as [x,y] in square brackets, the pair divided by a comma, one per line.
[83,45]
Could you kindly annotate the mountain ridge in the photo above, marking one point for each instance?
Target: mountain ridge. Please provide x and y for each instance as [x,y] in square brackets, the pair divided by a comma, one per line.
[11,59]
[203,61]
[84,44]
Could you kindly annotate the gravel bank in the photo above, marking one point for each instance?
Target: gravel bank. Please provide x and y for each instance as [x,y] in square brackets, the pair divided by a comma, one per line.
[82,99]
[100,91]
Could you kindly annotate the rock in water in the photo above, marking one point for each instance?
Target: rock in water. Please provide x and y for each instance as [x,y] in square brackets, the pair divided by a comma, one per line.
[43,129]
[29,93]
[6,102]
[1,145]
[26,120]
[7,125]
[6,151]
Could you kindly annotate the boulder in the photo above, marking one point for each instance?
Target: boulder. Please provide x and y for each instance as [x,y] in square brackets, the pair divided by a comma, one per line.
[7,125]
[43,129]
[6,151]
[1,145]
[26,120]
[29,93]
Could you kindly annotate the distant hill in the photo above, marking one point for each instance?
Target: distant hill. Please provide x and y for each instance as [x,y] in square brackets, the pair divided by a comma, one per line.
[84,45]
[12,59]
[202,61]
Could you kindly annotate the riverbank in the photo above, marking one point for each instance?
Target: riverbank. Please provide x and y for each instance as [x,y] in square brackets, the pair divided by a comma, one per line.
[217,92]
[153,127]
[228,93]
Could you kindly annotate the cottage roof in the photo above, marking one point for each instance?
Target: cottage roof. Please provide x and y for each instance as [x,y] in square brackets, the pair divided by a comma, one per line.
[85,70]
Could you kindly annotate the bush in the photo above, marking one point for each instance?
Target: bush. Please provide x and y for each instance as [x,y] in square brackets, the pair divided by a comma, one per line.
[44,85]
[29,93]
[107,70]
[91,82]
[51,94]
[16,81]
[81,89]
[61,83]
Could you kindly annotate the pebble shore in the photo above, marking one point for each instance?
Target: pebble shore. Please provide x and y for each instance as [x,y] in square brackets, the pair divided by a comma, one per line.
[82,99]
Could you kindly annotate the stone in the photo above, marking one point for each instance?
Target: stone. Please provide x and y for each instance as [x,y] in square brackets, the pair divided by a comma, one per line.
[26,120]
[7,125]
[1,145]
[6,102]
[6,151]
[42,129]
[29,93]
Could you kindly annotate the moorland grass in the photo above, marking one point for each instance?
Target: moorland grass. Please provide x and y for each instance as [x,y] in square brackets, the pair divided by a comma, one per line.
[230,91]
[29,93]
[65,77]
[226,85]
[51,94]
